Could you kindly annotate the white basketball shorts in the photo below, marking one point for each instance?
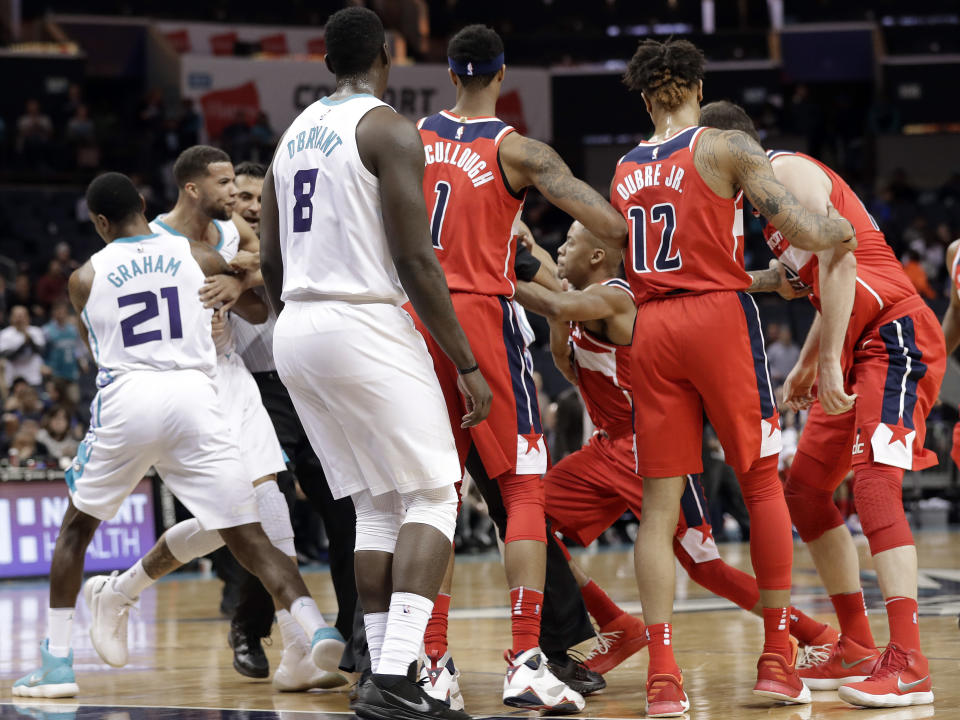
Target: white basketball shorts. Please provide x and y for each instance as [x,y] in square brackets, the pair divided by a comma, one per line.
[364,387]
[171,420]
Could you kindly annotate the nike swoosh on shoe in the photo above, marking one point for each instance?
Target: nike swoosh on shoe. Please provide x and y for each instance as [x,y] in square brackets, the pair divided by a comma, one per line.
[847,666]
[904,687]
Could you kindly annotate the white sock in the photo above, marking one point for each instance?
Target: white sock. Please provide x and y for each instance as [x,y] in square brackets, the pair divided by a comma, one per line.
[304,610]
[59,630]
[376,625]
[290,632]
[409,614]
[133,581]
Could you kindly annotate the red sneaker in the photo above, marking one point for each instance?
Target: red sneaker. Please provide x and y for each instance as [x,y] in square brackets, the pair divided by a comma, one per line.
[778,679]
[901,678]
[819,650]
[848,662]
[616,641]
[665,696]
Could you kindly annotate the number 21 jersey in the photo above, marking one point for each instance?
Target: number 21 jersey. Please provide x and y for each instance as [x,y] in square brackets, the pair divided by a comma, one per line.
[332,238]
[144,312]
[684,238]
[471,209]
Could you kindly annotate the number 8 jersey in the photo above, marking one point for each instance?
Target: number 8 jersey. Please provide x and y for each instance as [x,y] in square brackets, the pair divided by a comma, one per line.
[143,312]
[471,208]
[684,238]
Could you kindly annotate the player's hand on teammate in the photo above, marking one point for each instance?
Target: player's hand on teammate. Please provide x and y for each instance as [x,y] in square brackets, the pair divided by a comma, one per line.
[245,261]
[798,387]
[833,397]
[221,290]
[789,289]
[477,397]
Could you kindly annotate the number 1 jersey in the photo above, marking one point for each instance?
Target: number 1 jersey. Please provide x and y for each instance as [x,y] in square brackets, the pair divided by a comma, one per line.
[332,239]
[144,312]
[684,238]
[471,209]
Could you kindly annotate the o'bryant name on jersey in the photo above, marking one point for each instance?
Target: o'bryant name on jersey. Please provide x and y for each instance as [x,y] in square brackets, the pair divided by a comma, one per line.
[147,264]
[648,176]
[319,138]
[463,158]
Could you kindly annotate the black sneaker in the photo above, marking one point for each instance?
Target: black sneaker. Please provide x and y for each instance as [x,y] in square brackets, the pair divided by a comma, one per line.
[577,676]
[395,697]
[248,656]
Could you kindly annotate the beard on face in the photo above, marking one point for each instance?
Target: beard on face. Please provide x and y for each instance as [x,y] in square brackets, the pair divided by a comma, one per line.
[217,212]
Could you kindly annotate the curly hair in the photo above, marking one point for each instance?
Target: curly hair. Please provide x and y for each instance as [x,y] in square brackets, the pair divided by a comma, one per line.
[665,71]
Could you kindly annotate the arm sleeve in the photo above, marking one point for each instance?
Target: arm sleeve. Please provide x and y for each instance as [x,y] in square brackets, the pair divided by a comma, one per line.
[525,265]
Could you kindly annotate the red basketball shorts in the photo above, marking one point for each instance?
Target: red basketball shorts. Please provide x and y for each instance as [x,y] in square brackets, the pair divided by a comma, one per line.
[897,367]
[511,438]
[696,353]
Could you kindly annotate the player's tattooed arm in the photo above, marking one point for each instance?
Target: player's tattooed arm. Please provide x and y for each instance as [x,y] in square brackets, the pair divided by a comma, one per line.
[529,163]
[951,319]
[732,156]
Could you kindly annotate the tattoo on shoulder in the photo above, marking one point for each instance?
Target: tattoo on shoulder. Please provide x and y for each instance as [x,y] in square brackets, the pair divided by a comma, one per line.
[550,174]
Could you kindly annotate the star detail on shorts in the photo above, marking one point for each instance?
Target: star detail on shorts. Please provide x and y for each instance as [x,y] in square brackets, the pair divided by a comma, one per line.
[898,433]
[774,424]
[533,441]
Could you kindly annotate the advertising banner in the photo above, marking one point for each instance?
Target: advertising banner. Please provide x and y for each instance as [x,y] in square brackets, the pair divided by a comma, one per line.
[201,38]
[30,517]
[225,86]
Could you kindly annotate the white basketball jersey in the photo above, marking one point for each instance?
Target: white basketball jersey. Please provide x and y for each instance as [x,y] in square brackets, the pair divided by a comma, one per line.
[228,246]
[143,312]
[332,238]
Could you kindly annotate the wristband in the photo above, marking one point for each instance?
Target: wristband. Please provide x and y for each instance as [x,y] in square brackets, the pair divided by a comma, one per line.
[466,371]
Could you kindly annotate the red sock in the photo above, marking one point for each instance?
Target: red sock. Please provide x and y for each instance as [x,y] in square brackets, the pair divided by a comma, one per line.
[852,614]
[803,627]
[776,631]
[902,616]
[525,606]
[661,650]
[435,636]
[599,605]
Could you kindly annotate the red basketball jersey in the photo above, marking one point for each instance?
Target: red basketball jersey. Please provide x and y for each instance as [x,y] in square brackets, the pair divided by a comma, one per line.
[881,280]
[603,375]
[472,211]
[684,238]
[955,277]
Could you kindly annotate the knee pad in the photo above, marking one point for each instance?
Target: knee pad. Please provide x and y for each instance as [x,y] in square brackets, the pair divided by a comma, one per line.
[436,507]
[187,540]
[378,520]
[275,517]
[809,493]
[523,498]
[878,492]
[761,482]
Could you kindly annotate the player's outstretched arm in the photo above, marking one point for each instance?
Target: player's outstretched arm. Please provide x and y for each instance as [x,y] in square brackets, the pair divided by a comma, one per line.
[732,156]
[390,147]
[529,162]
[271,262]
[951,320]
[597,302]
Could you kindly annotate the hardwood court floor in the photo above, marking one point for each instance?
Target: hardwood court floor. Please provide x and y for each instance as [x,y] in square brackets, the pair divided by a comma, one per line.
[179,655]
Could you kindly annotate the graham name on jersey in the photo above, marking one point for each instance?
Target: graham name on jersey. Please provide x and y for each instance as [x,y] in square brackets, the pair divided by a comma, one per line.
[461,157]
[649,176]
[147,264]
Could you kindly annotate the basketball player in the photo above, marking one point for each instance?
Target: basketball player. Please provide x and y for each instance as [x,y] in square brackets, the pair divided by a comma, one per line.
[876,336]
[204,208]
[251,606]
[478,171]
[156,406]
[591,331]
[682,195]
[344,241]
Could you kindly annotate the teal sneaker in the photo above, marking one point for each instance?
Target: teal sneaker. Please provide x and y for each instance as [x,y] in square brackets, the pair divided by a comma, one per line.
[54,679]
[326,648]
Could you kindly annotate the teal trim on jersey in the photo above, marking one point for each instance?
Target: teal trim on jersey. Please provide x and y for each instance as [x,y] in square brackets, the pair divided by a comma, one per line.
[286,458]
[135,238]
[96,343]
[328,101]
[99,407]
[166,227]
[219,230]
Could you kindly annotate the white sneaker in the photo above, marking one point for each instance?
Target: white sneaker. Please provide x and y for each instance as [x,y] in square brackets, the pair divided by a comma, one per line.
[440,679]
[529,684]
[109,614]
[297,672]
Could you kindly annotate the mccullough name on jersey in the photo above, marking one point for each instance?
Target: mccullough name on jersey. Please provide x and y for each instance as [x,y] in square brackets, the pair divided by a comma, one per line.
[461,157]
